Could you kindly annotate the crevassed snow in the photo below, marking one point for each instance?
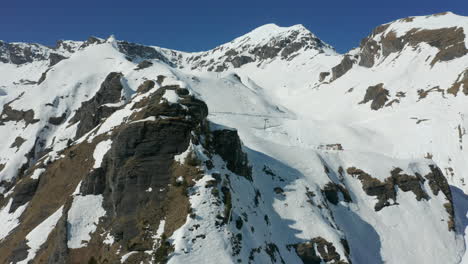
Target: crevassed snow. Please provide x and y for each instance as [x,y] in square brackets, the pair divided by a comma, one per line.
[39,235]
[99,152]
[83,217]
[8,221]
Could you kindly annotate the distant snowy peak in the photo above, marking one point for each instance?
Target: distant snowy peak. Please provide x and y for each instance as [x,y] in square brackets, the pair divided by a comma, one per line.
[442,37]
[21,53]
[272,34]
[444,31]
[444,20]
[262,45]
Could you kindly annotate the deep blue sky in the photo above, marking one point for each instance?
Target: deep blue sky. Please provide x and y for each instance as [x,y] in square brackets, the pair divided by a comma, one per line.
[201,25]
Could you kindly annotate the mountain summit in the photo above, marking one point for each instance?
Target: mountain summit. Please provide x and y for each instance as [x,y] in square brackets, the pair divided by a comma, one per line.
[271,148]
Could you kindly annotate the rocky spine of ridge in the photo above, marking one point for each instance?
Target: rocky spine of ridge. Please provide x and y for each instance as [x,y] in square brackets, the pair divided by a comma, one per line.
[283,44]
[384,41]
[23,53]
[138,180]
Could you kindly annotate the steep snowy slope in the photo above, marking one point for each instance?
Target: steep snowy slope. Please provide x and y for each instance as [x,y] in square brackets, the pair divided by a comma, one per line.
[272,148]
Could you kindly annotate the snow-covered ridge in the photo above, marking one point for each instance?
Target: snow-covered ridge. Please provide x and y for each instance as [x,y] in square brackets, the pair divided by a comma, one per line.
[264,34]
[356,169]
[430,22]
[261,46]
[21,53]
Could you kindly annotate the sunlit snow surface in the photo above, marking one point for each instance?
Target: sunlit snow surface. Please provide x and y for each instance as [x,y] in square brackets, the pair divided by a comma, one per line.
[83,218]
[284,117]
[39,234]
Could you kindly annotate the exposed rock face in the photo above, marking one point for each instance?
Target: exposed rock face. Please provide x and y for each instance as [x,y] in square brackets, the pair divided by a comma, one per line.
[142,157]
[91,112]
[145,86]
[242,51]
[323,75]
[286,46]
[377,94]
[462,81]
[144,64]
[25,190]
[10,114]
[424,93]
[69,46]
[386,190]
[19,53]
[369,49]
[331,191]
[57,120]
[449,41]
[438,182]
[55,58]
[345,65]
[43,77]
[18,142]
[45,196]
[241,60]
[91,41]
[136,51]
[58,251]
[22,53]
[227,144]
[317,251]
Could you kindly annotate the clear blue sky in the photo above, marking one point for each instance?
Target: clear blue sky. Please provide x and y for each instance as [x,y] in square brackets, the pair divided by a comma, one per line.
[201,25]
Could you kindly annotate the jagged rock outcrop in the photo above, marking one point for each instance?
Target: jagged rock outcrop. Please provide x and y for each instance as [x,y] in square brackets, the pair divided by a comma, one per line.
[283,44]
[55,58]
[135,51]
[331,191]
[141,158]
[144,64]
[318,250]
[91,112]
[19,53]
[10,114]
[386,190]
[146,86]
[345,65]
[140,173]
[449,41]
[23,53]
[437,182]
[377,94]
[227,144]
[462,81]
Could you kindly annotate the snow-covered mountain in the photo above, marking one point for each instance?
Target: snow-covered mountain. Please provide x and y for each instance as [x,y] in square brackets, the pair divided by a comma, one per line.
[272,148]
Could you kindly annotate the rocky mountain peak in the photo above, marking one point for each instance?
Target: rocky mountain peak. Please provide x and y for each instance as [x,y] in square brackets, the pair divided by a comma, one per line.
[444,31]
[262,45]
[294,154]
[21,53]
[441,37]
